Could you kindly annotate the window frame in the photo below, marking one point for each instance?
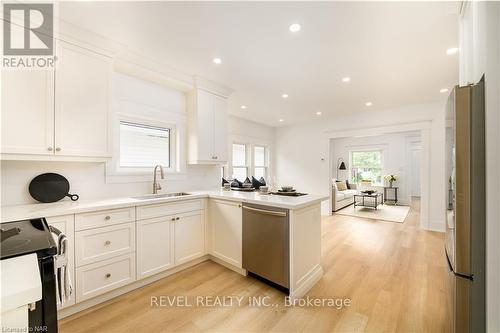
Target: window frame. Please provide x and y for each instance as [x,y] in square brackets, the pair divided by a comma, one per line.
[368,150]
[119,170]
[266,159]
[246,166]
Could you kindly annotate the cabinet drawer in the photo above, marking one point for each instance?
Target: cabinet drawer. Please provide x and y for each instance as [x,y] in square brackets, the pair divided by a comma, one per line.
[99,278]
[102,218]
[103,243]
[151,211]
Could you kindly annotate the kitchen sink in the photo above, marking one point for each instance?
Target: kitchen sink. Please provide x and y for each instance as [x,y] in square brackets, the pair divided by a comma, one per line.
[159,196]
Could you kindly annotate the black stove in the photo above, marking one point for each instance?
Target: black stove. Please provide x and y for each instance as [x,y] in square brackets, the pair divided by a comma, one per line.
[24,237]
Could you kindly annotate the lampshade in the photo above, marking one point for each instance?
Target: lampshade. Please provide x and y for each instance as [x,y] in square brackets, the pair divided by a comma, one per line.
[342,166]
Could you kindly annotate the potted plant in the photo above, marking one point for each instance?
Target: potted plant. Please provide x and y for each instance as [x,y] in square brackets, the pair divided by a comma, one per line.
[391,179]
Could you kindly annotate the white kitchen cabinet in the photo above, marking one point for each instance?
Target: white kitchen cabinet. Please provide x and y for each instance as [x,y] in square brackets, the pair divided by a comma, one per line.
[63,112]
[208,128]
[28,112]
[103,276]
[82,102]
[66,225]
[155,250]
[226,231]
[189,236]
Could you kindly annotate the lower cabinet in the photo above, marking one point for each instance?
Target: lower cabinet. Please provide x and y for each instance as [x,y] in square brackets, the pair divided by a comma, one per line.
[226,231]
[103,276]
[164,242]
[155,251]
[66,224]
[189,237]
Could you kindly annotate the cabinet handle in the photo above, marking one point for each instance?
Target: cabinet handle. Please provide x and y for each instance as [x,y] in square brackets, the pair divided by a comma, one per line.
[50,149]
[177,218]
[173,218]
[58,149]
[216,157]
[239,206]
[107,242]
[108,275]
[107,217]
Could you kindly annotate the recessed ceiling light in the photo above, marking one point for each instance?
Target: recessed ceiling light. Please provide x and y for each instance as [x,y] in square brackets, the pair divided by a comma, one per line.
[346,79]
[368,103]
[294,27]
[281,120]
[217,61]
[452,50]
[243,107]
[318,113]
[444,90]
[284,95]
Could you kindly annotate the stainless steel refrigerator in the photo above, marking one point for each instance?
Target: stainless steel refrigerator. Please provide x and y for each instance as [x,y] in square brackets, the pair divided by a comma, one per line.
[465,215]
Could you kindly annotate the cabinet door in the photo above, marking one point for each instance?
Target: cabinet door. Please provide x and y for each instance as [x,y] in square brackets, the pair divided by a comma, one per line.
[205,112]
[226,226]
[189,240]
[220,129]
[28,112]
[82,103]
[66,224]
[154,246]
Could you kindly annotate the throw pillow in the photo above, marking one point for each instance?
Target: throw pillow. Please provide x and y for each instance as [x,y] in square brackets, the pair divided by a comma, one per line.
[347,183]
[341,186]
[247,181]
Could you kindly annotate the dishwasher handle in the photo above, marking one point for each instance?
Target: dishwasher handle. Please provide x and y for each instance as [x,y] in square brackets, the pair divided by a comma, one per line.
[266,212]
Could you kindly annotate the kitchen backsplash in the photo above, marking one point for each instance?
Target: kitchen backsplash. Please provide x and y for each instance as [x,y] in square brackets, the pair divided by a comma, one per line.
[88,180]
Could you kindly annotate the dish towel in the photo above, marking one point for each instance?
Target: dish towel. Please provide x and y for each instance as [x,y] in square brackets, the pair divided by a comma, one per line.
[64,289]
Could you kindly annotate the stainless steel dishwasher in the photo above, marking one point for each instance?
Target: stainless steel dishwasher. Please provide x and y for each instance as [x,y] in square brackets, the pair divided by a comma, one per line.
[266,243]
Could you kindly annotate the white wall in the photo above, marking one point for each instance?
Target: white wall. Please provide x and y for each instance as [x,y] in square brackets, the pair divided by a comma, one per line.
[480,53]
[137,98]
[396,158]
[302,152]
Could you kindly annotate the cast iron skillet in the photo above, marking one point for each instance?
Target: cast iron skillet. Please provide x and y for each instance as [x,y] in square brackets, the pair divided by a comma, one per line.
[50,187]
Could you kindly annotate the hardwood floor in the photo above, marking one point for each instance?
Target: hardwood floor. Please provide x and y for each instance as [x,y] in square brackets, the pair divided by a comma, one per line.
[393,273]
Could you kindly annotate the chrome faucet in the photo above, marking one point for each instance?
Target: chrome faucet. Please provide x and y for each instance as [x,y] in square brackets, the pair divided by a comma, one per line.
[156,185]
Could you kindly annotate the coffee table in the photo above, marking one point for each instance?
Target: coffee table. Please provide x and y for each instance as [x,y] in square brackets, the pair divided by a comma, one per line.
[376,200]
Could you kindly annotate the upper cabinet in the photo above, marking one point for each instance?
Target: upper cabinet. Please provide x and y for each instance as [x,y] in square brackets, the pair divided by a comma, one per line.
[207,128]
[63,112]
[82,102]
[28,112]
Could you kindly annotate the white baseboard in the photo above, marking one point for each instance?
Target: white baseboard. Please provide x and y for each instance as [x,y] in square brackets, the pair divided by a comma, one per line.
[307,282]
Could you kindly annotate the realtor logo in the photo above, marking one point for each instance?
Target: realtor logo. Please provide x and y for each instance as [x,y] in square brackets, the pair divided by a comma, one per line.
[28,29]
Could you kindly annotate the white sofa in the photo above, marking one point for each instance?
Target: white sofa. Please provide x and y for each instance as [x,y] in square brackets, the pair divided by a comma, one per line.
[341,199]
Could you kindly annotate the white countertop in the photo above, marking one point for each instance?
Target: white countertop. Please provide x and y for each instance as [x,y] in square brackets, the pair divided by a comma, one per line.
[66,206]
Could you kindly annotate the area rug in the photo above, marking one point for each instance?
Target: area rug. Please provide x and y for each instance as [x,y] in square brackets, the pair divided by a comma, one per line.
[383,212]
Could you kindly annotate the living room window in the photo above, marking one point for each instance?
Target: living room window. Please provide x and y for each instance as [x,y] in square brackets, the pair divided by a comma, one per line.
[366,165]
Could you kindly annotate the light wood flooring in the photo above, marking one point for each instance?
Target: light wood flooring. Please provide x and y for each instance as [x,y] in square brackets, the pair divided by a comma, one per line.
[394,274]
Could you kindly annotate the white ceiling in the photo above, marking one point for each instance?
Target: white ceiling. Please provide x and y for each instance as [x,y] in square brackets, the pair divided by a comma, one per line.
[394,52]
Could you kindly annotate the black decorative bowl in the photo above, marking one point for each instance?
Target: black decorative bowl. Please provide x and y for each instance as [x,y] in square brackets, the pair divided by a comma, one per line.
[369,192]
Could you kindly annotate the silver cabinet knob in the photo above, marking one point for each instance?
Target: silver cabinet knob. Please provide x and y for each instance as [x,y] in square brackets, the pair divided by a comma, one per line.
[107,217]
[50,149]
[107,242]
[108,275]
[58,149]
